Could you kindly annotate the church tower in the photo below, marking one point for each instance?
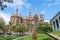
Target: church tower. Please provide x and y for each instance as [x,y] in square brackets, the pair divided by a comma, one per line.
[41,19]
[16,19]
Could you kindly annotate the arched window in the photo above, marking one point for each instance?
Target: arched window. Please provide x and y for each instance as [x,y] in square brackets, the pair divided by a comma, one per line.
[59,19]
[57,23]
[54,24]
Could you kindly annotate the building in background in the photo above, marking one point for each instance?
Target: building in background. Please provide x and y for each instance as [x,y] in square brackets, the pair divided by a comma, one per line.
[56,22]
[33,20]
[16,19]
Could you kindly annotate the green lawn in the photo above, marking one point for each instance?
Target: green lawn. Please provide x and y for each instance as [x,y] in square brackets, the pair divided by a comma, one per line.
[39,37]
[8,38]
[56,33]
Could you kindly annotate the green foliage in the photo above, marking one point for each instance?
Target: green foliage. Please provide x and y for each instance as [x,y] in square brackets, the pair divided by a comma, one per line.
[13,28]
[2,26]
[44,28]
[21,28]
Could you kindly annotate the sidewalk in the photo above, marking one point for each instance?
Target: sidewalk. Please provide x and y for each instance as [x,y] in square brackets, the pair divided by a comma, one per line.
[54,36]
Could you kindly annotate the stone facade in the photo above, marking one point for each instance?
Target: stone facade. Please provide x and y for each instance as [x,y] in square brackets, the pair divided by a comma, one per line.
[16,19]
[56,22]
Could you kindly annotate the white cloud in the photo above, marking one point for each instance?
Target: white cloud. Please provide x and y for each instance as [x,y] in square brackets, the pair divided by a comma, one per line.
[20,3]
[47,21]
[53,4]
[43,12]
[5,17]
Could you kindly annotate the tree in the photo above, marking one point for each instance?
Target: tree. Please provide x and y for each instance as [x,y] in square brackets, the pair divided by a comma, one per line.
[45,28]
[21,28]
[10,25]
[13,28]
[6,28]
[2,26]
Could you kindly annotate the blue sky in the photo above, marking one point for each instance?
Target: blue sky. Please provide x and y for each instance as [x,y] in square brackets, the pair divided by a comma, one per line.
[47,7]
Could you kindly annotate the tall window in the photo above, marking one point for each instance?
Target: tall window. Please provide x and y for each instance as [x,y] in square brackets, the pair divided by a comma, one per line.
[57,23]
[54,24]
[59,19]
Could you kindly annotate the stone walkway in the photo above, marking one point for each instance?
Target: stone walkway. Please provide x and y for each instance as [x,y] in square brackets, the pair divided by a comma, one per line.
[54,36]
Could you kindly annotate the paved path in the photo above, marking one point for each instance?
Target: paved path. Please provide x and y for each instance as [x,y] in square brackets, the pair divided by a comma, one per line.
[54,36]
[20,37]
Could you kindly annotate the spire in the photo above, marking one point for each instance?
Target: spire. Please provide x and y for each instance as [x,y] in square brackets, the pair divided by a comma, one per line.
[17,9]
[36,16]
[29,14]
[35,11]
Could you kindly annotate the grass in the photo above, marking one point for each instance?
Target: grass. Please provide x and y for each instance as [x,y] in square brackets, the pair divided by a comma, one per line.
[56,33]
[43,37]
[39,37]
[8,38]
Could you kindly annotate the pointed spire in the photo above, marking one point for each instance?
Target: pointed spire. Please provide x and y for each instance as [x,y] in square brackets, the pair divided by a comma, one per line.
[17,9]
[35,11]
[29,14]
[36,16]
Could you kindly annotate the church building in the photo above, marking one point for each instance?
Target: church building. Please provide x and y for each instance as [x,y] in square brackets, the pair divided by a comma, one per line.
[33,20]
